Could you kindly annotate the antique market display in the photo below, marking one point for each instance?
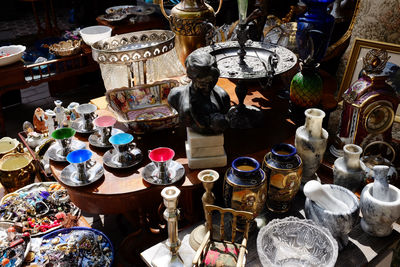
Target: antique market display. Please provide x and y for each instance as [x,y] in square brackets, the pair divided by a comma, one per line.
[185,101]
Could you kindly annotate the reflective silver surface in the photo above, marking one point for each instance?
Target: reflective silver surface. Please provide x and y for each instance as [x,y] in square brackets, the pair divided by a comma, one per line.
[175,172]
[79,126]
[257,59]
[54,152]
[132,158]
[95,139]
[69,175]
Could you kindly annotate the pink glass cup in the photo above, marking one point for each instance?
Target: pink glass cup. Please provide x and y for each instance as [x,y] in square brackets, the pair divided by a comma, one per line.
[161,157]
[104,125]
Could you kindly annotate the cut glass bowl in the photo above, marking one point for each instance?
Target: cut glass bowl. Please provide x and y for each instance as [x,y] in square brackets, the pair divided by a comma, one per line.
[296,242]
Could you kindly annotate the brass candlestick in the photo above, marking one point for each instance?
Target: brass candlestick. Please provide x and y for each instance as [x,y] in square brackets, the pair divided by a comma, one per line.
[208,178]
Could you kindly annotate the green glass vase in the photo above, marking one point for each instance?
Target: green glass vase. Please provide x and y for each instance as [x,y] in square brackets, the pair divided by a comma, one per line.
[306,88]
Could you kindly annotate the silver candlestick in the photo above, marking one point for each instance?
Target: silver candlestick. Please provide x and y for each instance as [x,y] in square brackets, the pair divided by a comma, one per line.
[171,214]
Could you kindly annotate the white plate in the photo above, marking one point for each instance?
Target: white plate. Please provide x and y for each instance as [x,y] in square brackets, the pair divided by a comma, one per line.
[15,53]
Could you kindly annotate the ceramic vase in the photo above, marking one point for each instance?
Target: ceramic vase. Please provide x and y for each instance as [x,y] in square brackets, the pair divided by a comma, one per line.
[283,168]
[315,24]
[339,224]
[245,186]
[380,204]
[310,141]
[349,170]
[306,87]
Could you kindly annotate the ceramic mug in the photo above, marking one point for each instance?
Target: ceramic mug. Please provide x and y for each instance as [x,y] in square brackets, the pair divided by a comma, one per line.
[63,137]
[161,157]
[87,112]
[80,159]
[17,170]
[122,143]
[9,145]
[104,124]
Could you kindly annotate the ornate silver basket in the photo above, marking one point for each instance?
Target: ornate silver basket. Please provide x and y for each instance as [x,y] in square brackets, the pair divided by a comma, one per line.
[137,58]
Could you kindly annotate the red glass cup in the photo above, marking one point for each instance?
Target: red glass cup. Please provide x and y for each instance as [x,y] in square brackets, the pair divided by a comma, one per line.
[161,157]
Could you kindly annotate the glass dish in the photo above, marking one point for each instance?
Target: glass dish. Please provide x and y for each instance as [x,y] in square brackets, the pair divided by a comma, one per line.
[296,242]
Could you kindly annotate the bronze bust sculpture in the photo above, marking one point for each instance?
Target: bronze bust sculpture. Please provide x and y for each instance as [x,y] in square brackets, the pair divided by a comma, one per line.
[201,104]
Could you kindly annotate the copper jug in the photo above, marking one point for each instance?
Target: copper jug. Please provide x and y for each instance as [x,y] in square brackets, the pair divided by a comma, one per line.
[191,21]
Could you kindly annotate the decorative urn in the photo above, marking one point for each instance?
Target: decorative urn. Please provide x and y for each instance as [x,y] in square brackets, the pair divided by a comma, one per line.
[191,21]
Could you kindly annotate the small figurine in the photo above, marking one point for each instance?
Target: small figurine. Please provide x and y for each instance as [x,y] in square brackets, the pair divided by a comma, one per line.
[50,120]
[60,113]
[71,107]
[39,121]
[201,104]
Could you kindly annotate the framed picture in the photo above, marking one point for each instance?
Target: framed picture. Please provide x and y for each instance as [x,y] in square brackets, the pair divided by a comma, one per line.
[355,62]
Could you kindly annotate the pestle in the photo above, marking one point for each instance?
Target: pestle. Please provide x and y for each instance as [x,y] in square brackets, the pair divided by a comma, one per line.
[380,189]
[317,193]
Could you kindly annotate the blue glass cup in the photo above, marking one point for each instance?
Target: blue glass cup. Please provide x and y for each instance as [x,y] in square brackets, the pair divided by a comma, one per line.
[80,159]
[122,144]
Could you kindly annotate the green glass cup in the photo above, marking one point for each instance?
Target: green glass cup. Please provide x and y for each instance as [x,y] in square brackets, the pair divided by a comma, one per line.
[63,136]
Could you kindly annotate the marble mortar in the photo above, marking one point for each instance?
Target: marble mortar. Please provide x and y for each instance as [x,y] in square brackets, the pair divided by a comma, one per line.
[339,224]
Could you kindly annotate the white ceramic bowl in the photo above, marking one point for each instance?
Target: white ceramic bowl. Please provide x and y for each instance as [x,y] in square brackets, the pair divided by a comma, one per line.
[92,34]
[15,53]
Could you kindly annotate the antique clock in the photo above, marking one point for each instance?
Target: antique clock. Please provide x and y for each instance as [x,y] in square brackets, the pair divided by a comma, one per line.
[370,103]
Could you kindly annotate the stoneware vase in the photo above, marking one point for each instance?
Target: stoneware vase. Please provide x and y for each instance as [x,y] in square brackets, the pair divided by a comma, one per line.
[283,169]
[380,204]
[339,224]
[310,141]
[349,170]
[245,186]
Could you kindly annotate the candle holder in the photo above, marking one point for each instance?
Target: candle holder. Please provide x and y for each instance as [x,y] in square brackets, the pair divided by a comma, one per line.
[208,178]
[170,195]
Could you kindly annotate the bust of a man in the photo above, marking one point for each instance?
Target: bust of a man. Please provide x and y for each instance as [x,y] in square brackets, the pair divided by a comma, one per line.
[201,104]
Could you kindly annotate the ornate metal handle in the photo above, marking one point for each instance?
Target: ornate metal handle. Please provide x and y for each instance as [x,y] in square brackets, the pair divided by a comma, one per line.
[163,10]
[383,143]
[219,7]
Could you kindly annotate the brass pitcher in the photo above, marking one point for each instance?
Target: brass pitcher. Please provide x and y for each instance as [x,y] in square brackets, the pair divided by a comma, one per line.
[191,21]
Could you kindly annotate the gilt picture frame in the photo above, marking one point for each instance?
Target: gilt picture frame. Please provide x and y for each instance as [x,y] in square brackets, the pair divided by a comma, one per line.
[355,62]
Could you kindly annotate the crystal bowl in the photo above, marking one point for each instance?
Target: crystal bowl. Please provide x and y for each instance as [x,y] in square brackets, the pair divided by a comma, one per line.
[296,242]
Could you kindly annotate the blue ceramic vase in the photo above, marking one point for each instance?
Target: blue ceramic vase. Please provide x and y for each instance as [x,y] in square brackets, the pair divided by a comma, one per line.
[245,186]
[283,168]
[314,26]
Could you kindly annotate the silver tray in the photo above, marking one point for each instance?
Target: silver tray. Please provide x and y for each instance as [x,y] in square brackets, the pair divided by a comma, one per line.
[176,170]
[228,59]
[39,187]
[133,47]
[109,159]
[54,148]
[94,139]
[69,175]
[77,125]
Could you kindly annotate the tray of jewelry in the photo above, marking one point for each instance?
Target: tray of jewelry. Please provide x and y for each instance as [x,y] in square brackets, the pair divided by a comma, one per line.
[75,246]
[14,244]
[40,207]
